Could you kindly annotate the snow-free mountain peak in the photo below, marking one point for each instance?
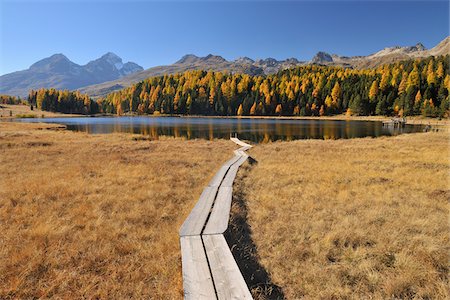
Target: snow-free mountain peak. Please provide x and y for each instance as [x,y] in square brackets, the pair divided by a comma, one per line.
[57,71]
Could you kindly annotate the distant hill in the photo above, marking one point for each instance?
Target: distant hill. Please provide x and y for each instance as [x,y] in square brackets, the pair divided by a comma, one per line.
[270,65]
[57,71]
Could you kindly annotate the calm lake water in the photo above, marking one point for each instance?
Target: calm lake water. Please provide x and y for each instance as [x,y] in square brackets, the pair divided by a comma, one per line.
[256,130]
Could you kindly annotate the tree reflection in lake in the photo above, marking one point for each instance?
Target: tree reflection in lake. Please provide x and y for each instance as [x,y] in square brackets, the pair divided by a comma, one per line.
[256,130]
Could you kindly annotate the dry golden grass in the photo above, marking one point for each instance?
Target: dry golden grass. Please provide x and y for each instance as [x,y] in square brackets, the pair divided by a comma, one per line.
[87,216]
[353,219]
[7,109]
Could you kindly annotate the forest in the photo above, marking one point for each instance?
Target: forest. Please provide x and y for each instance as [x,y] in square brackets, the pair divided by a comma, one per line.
[63,101]
[412,87]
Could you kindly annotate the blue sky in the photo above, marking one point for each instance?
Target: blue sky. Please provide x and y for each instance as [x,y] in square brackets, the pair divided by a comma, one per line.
[154,33]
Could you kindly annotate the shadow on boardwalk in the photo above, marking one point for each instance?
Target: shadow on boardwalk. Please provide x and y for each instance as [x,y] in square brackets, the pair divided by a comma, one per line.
[239,239]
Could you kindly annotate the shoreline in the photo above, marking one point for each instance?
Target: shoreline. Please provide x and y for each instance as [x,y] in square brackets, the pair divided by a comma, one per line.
[39,114]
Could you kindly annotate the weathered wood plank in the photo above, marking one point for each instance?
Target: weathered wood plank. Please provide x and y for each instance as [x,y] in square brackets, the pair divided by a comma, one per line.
[241,160]
[195,222]
[220,214]
[213,274]
[229,178]
[231,161]
[217,179]
[228,279]
[240,143]
[197,279]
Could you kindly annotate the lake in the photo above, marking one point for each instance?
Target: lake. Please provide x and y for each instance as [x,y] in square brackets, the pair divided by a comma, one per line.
[255,130]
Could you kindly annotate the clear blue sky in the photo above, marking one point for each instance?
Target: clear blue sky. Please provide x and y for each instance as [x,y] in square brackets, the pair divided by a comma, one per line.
[154,33]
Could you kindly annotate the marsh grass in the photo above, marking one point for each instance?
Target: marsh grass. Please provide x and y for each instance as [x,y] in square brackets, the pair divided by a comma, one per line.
[353,219]
[96,216]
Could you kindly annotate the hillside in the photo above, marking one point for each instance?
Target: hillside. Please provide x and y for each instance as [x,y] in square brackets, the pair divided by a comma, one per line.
[270,65]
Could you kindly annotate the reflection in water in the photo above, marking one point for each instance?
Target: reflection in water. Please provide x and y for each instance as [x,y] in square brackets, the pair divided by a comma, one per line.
[256,130]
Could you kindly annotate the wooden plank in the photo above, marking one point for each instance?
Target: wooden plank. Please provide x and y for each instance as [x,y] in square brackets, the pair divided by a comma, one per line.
[245,148]
[241,160]
[240,143]
[213,274]
[217,179]
[218,220]
[197,279]
[229,178]
[228,279]
[231,161]
[195,222]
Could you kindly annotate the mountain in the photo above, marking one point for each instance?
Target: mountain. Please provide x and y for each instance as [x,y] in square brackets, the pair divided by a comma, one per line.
[186,63]
[108,73]
[57,71]
[385,56]
[192,62]
[270,65]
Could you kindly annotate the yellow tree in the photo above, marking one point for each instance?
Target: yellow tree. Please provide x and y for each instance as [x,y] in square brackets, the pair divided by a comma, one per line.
[447,82]
[212,95]
[253,109]
[413,78]
[418,97]
[336,93]
[430,67]
[240,110]
[225,87]
[440,70]
[291,95]
[373,92]
[201,93]
[243,84]
[322,111]
[305,83]
[384,79]
[278,110]
[176,100]
[328,101]
[431,78]
[402,85]
[395,74]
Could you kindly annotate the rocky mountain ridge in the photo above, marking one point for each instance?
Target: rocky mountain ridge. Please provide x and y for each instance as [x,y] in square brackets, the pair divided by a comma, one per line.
[57,71]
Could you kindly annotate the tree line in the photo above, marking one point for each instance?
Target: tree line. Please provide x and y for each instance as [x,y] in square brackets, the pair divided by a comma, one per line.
[6,99]
[404,88]
[63,101]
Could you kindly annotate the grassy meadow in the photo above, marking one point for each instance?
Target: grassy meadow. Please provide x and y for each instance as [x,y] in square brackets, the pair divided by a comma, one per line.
[96,216]
[352,219]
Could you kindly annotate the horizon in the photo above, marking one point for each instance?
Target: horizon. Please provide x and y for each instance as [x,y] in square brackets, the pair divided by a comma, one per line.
[212,29]
[228,59]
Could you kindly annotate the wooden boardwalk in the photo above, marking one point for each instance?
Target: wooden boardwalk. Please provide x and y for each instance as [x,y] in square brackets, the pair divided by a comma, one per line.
[209,269]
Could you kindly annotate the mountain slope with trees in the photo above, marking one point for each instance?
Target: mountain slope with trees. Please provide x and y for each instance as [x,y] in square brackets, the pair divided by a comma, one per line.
[410,87]
[270,66]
